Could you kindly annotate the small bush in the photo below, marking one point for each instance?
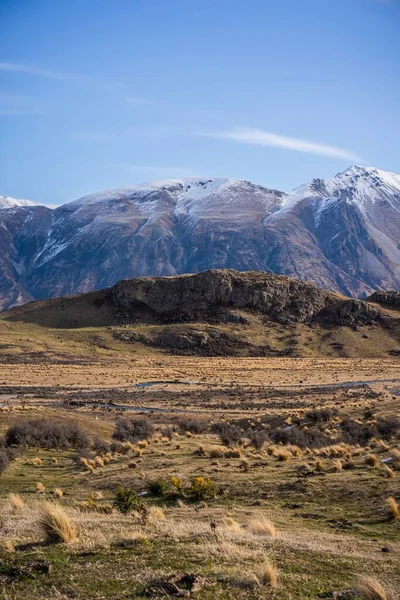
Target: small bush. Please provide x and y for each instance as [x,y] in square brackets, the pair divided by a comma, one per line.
[46,433]
[230,435]
[193,425]
[126,501]
[321,414]
[202,489]
[56,524]
[257,439]
[158,487]
[133,430]
[387,427]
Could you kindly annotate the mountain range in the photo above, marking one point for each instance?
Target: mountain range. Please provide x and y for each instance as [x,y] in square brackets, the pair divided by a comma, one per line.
[341,234]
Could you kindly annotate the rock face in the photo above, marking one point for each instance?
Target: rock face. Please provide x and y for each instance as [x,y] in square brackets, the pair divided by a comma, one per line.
[341,234]
[189,297]
[381,297]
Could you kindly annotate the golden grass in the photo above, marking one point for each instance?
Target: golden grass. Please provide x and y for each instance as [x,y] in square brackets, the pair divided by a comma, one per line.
[40,489]
[56,524]
[394,509]
[58,492]
[372,461]
[269,574]
[369,588]
[262,526]
[388,472]
[15,501]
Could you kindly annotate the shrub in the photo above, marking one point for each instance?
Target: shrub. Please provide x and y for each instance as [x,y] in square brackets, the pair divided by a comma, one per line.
[158,487]
[46,433]
[126,501]
[176,483]
[133,430]
[387,426]
[193,425]
[257,438]
[100,446]
[356,433]
[304,438]
[56,524]
[230,435]
[321,414]
[202,489]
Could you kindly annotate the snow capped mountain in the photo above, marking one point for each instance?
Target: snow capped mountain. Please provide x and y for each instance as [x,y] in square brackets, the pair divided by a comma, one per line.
[340,233]
[7,202]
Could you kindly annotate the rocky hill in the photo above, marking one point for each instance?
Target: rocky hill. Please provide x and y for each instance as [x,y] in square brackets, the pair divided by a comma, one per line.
[341,234]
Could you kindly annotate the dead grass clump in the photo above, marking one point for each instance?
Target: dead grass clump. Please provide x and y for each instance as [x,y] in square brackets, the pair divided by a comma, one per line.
[15,502]
[269,574]
[130,540]
[369,588]
[217,452]
[233,525]
[262,526]
[388,472]
[372,461]
[337,466]
[319,466]
[394,509]
[233,453]
[56,525]
[58,492]
[283,455]
[40,489]
[156,513]
[36,462]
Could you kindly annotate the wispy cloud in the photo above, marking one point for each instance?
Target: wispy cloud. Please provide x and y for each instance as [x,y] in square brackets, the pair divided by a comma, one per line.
[31,70]
[35,70]
[259,137]
[154,170]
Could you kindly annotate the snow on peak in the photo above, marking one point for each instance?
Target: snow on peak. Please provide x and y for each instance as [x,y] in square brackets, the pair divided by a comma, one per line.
[7,202]
[357,185]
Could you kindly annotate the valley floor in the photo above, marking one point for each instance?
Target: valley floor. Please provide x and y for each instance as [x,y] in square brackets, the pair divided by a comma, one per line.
[315,514]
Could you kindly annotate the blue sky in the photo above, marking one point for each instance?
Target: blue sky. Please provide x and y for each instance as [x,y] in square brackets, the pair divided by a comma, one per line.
[96,94]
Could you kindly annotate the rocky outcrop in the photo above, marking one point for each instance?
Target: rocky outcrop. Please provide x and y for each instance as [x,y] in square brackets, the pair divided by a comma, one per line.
[381,297]
[189,297]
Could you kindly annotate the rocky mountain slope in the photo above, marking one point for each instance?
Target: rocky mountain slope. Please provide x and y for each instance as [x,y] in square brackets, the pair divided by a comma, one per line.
[220,312]
[341,234]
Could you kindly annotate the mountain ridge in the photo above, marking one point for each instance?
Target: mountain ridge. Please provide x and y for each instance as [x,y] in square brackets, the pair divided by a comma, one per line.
[341,234]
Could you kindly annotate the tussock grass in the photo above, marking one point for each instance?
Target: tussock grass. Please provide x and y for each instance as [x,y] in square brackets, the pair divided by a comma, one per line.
[369,588]
[262,526]
[372,461]
[40,489]
[269,574]
[56,524]
[394,509]
[15,502]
